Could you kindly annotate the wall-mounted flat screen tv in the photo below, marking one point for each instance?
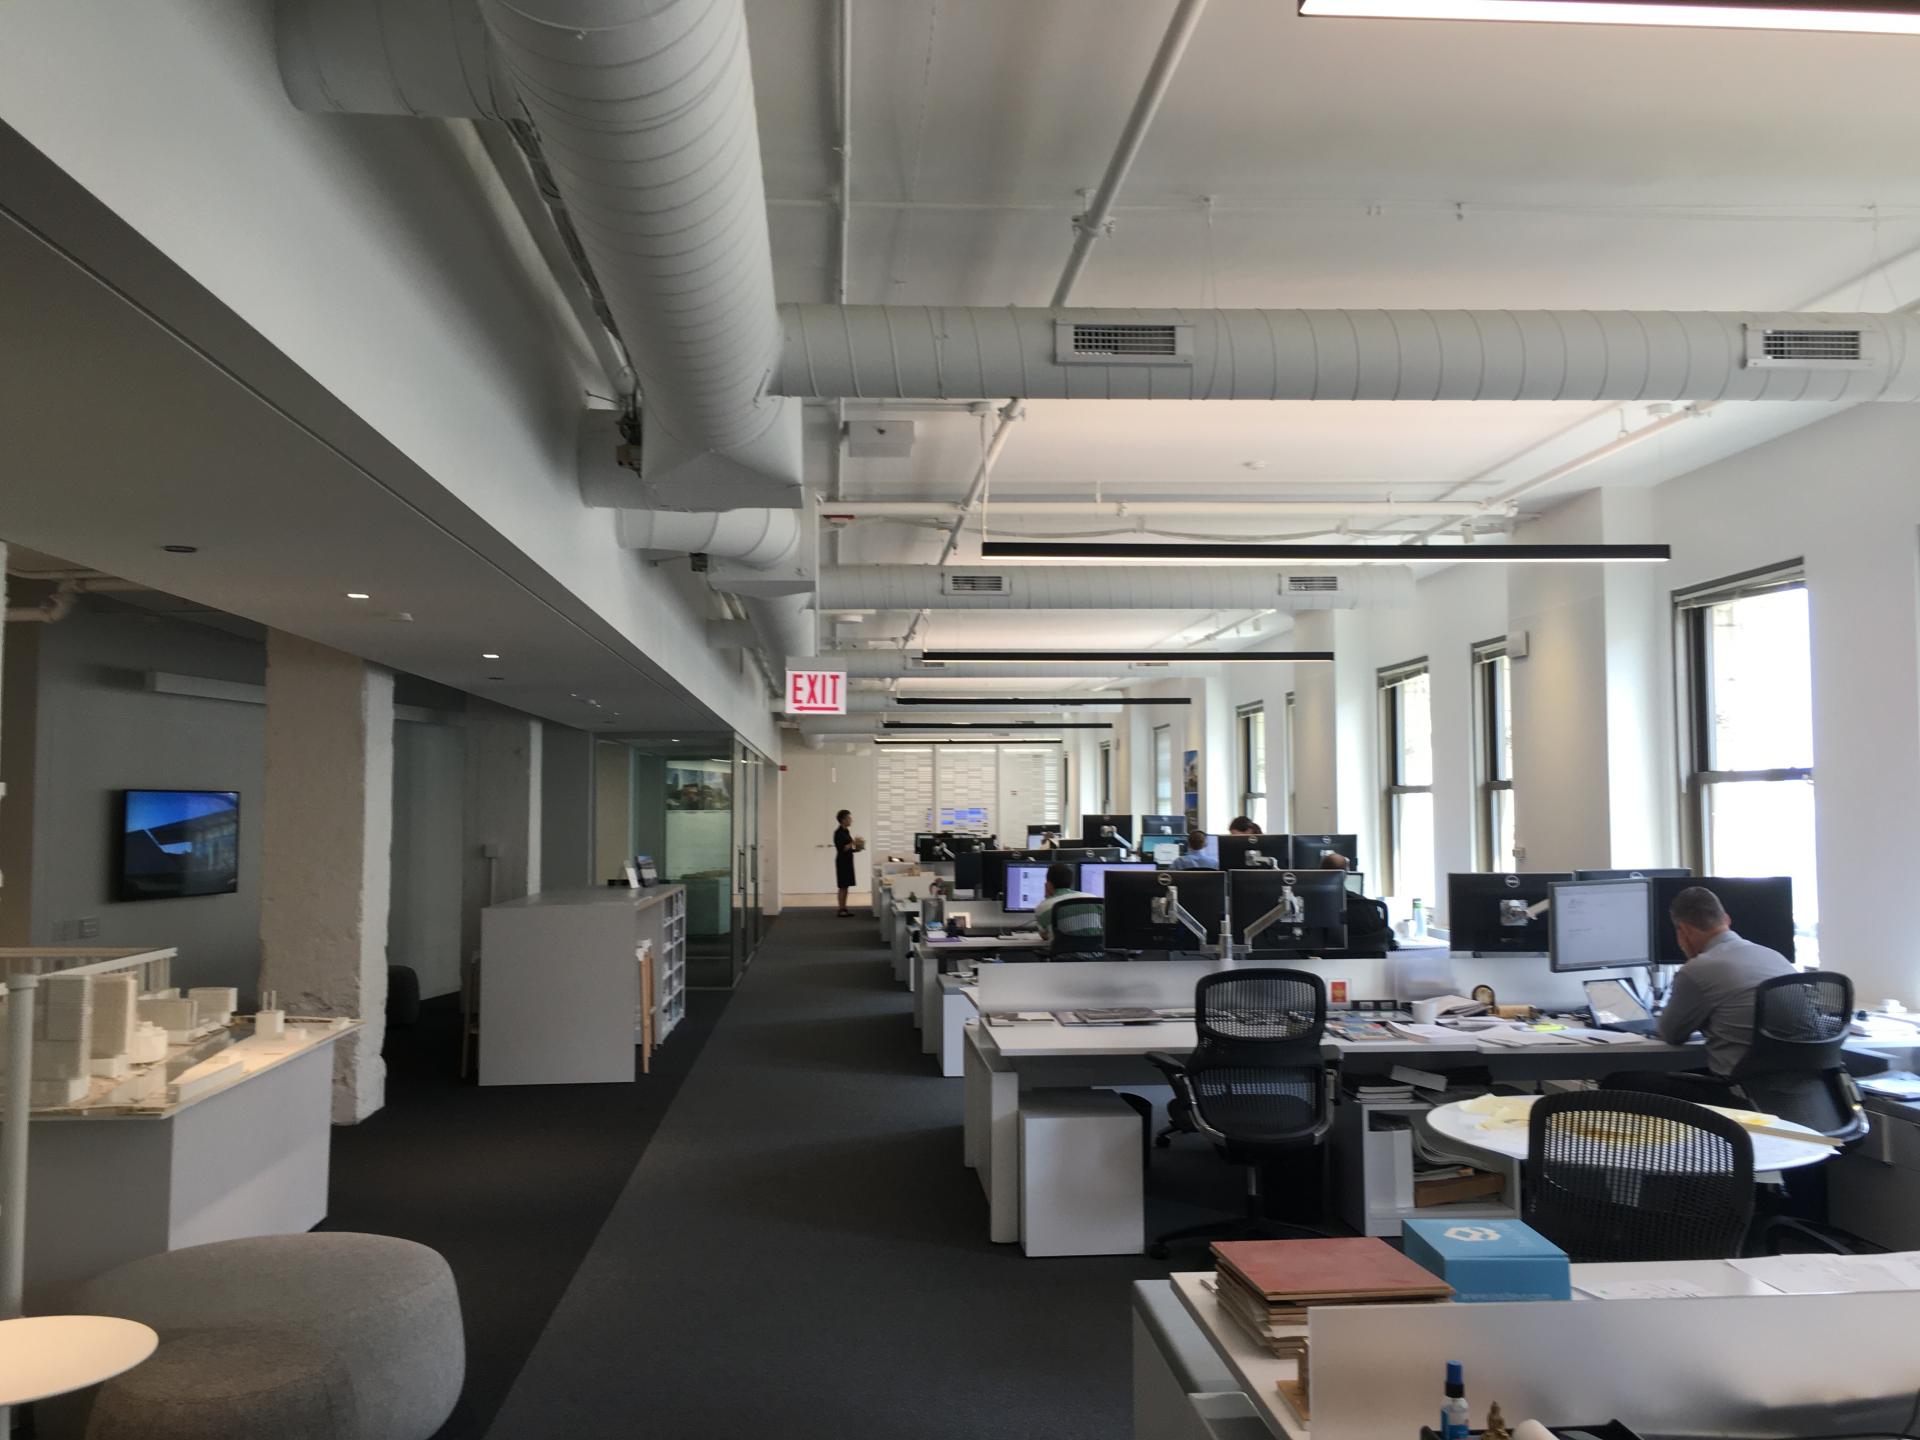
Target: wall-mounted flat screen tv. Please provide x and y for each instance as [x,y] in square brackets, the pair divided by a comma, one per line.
[175,843]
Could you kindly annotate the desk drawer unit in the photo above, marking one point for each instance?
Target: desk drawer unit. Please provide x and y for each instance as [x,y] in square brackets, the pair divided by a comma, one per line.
[1081,1178]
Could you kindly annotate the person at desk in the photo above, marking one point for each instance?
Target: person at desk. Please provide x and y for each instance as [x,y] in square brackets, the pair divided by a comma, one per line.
[1069,920]
[1194,857]
[1713,993]
[1368,928]
[1241,825]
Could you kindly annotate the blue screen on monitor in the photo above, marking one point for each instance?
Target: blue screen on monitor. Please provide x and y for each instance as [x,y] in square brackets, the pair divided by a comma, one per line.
[175,843]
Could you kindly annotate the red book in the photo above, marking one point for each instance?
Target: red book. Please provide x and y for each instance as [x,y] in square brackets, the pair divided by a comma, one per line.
[1361,1268]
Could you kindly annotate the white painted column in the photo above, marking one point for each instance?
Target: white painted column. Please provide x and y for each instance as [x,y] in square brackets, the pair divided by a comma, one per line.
[327,839]
[503,811]
[1316,727]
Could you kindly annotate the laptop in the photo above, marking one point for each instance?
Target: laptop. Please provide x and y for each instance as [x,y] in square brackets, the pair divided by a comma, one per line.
[1613,1005]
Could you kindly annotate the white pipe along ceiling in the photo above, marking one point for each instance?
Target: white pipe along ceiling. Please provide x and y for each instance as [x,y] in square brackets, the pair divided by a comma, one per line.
[1109,587]
[947,352]
[859,665]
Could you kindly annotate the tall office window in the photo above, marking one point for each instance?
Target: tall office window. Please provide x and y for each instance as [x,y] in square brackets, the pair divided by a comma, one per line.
[1291,790]
[1493,753]
[1406,732]
[1252,721]
[1748,735]
[1163,770]
[1106,777]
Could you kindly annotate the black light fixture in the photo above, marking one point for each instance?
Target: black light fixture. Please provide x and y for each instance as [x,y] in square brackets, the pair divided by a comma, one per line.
[1329,554]
[985,744]
[1850,16]
[1126,657]
[993,725]
[941,702]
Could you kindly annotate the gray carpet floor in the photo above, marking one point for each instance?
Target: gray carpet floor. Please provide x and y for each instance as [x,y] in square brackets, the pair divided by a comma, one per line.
[800,1252]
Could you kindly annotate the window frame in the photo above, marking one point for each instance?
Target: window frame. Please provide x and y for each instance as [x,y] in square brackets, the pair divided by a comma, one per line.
[1106,778]
[1290,791]
[1693,690]
[1390,678]
[1250,720]
[1492,696]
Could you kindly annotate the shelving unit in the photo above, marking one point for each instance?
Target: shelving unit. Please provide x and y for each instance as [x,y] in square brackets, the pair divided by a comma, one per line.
[1375,1172]
[670,965]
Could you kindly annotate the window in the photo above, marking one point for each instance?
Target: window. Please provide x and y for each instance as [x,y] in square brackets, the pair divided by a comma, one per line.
[1106,777]
[1747,738]
[1163,770]
[1252,720]
[1493,753]
[1288,749]
[1406,732]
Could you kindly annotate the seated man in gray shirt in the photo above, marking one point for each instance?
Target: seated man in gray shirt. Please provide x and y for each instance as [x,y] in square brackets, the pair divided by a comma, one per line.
[1713,993]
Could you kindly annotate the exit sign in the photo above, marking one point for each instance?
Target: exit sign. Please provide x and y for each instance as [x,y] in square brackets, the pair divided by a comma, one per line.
[816,692]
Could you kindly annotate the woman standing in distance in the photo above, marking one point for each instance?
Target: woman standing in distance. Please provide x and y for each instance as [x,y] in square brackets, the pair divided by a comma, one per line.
[845,847]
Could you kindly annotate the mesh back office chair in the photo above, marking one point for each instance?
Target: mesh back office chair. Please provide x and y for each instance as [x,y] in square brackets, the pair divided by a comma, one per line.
[1619,1175]
[1256,1084]
[1085,914]
[1795,1068]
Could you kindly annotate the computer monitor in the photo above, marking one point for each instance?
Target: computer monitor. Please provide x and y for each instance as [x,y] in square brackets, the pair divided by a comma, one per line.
[1026,888]
[1093,876]
[1094,830]
[1761,910]
[1130,908]
[1162,825]
[968,866]
[1599,924]
[1307,850]
[1319,900]
[1500,914]
[1234,849]
[993,873]
[1649,873]
[1038,835]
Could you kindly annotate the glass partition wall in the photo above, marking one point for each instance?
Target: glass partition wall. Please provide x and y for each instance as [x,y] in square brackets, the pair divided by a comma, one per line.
[692,802]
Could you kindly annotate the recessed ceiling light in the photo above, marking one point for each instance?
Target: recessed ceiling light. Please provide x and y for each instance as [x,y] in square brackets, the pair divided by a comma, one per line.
[488,655]
[181,549]
[358,595]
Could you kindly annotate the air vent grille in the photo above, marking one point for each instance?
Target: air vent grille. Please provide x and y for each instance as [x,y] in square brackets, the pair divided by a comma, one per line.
[1313,584]
[1087,342]
[1812,347]
[973,584]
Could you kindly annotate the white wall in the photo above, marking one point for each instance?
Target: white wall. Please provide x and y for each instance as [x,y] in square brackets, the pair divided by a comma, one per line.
[566,808]
[378,253]
[429,783]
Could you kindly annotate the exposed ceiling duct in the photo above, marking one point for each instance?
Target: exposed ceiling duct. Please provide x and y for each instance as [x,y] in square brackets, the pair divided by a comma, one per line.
[949,352]
[759,538]
[860,665]
[1110,587]
[643,114]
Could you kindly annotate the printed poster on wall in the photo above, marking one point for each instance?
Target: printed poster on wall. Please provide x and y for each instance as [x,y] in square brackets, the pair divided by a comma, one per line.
[1190,770]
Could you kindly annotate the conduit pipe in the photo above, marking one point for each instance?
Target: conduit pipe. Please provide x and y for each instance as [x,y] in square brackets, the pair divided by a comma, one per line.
[860,665]
[1004,509]
[944,352]
[644,113]
[1111,587]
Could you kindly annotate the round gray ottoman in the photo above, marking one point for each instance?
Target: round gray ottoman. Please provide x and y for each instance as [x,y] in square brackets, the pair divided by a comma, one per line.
[230,1385]
[386,1309]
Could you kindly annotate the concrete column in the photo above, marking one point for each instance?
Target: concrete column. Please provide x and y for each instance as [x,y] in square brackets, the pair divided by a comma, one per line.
[503,811]
[566,808]
[1315,727]
[327,838]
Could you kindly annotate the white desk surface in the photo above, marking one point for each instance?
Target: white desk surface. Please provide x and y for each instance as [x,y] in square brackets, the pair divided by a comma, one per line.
[1038,1040]
[48,1355]
[1260,1372]
[979,943]
[1770,1152]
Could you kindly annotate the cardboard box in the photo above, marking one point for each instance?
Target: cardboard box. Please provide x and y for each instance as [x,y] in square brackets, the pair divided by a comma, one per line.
[1489,1260]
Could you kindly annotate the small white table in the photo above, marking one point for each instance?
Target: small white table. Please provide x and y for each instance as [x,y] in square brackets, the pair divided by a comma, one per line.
[48,1355]
[1770,1152]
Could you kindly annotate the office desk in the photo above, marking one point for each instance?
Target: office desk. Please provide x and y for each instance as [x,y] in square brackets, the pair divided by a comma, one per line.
[959,1005]
[1770,1152]
[924,967]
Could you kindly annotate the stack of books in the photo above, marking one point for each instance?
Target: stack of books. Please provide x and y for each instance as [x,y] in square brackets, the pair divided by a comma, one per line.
[1268,1286]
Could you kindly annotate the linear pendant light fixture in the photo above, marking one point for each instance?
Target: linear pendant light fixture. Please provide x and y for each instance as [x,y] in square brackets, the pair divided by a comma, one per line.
[1329,554]
[1849,16]
[993,725]
[944,702]
[1124,657]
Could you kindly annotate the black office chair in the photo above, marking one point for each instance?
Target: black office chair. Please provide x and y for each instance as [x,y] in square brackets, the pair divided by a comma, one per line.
[1256,1085]
[1795,1067]
[1090,946]
[1620,1175]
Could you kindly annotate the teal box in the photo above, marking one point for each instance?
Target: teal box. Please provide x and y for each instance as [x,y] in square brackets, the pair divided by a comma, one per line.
[1488,1260]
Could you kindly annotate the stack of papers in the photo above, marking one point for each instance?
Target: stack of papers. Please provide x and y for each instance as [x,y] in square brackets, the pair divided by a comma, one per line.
[1834,1274]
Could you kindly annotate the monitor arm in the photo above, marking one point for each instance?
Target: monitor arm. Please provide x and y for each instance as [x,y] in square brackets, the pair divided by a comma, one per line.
[1518,912]
[1260,860]
[942,851]
[1288,912]
[1166,909]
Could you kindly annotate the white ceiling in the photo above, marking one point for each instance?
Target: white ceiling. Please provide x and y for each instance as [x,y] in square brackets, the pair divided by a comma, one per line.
[1327,163]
